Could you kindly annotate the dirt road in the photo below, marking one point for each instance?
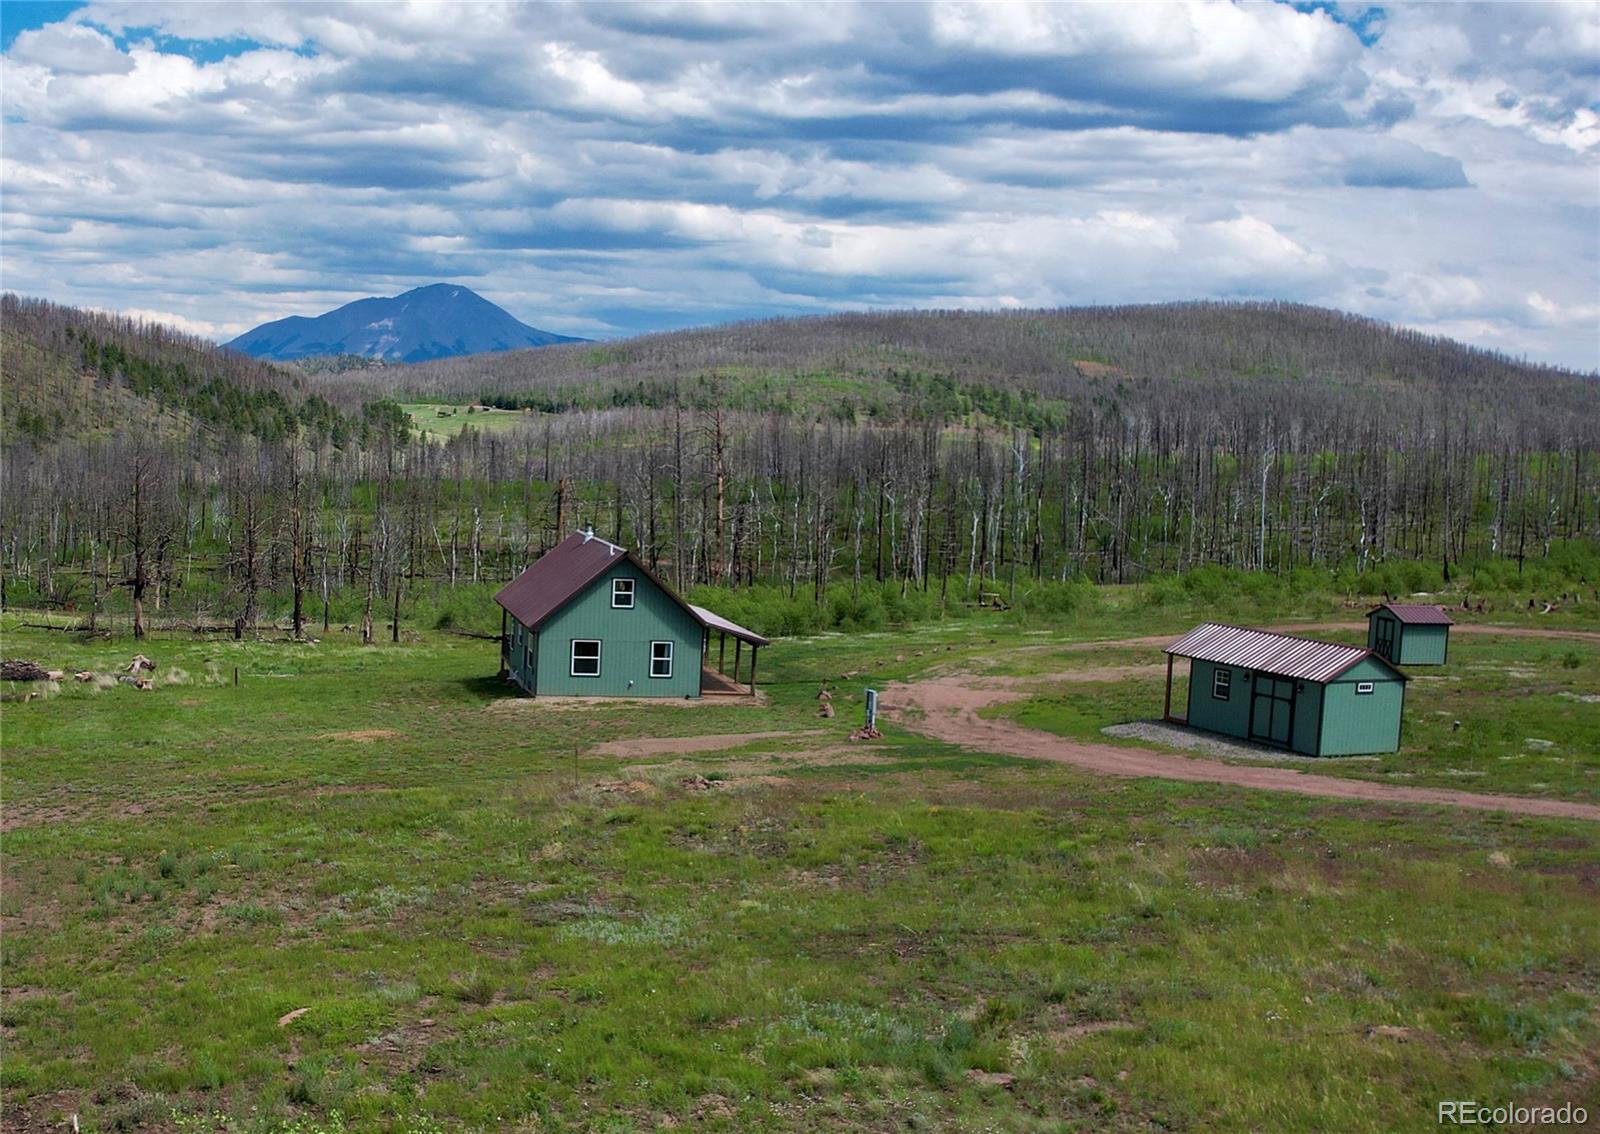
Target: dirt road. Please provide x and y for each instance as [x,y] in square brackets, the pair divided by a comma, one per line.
[950,707]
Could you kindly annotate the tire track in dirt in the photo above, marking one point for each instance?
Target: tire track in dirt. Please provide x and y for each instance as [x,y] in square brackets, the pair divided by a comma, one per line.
[949,706]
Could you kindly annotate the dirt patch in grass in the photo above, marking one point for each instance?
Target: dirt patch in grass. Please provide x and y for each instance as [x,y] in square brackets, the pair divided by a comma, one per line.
[1585,874]
[403,1048]
[41,1112]
[90,809]
[681,745]
[1210,744]
[531,706]
[847,755]
[361,735]
[351,789]
[631,788]
[1221,866]
[1065,1031]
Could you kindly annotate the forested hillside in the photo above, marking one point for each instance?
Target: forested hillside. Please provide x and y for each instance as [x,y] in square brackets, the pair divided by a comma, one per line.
[872,364]
[931,454]
[72,374]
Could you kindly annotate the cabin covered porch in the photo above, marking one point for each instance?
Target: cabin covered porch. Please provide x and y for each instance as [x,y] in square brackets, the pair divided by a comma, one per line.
[721,682]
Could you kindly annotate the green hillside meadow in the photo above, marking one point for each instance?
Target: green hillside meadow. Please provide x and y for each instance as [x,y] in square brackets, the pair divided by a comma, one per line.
[367,888]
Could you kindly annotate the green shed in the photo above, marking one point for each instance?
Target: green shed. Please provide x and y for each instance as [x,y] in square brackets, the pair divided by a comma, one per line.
[1315,698]
[588,619]
[1409,634]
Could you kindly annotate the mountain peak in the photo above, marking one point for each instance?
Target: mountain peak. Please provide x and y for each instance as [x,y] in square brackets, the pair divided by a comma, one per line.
[438,320]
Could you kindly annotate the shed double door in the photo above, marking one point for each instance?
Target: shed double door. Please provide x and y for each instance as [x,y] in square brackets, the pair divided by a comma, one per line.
[1271,709]
[1383,644]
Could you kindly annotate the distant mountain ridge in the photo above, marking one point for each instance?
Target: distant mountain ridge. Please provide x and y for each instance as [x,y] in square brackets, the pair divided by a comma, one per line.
[437,321]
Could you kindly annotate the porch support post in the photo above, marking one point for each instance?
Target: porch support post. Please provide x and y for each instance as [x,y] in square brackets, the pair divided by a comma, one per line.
[754,652]
[722,652]
[1166,711]
[505,647]
[738,649]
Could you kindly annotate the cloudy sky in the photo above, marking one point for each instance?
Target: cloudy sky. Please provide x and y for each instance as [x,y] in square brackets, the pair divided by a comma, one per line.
[607,169]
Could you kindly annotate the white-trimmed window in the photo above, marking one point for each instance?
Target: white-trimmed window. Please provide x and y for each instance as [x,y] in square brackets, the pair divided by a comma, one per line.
[585,657]
[1222,684]
[1363,688]
[622,594]
[660,659]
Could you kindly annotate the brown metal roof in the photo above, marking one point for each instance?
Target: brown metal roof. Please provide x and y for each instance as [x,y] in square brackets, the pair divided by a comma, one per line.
[1415,614]
[1270,652]
[571,565]
[556,578]
[715,621]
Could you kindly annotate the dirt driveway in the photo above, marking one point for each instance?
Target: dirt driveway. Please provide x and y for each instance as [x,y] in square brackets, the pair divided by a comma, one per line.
[949,706]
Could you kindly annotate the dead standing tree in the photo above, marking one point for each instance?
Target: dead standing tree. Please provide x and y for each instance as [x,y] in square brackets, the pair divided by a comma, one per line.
[250,510]
[146,521]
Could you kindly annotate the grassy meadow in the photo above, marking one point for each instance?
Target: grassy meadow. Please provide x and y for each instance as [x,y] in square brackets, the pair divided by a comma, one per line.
[442,421]
[368,889]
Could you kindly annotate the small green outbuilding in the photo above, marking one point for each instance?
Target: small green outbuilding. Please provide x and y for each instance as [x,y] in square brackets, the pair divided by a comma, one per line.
[1409,633]
[1312,697]
[588,619]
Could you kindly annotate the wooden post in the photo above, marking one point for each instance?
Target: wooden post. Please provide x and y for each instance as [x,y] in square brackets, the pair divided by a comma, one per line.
[738,648]
[1166,712]
[754,652]
[722,652]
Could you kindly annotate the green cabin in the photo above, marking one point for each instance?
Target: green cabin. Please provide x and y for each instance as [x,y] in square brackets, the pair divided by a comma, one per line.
[1409,634]
[588,619]
[1306,696]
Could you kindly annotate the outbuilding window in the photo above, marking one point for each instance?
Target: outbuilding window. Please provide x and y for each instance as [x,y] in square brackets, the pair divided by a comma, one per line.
[1221,683]
[660,659]
[1363,687]
[585,657]
[622,594]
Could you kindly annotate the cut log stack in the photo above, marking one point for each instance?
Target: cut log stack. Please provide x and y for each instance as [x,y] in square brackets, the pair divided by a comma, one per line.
[15,669]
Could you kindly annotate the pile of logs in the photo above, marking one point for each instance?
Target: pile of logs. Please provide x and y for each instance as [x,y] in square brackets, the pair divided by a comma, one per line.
[15,669]
[139,673]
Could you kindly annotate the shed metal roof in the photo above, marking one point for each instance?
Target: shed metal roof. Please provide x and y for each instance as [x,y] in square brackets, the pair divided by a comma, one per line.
[1415,614]
[1271,652]
[561,573]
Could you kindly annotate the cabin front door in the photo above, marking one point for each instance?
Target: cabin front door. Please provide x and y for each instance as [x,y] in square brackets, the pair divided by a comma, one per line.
[1271,709]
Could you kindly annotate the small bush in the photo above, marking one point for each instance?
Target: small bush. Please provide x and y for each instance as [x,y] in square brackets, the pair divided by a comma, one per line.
[476,988]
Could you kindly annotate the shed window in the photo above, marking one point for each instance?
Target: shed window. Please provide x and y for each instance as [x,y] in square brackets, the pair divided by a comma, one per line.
[1363,687]
[585,657]
[1221,683]
[622,594]
[660,659]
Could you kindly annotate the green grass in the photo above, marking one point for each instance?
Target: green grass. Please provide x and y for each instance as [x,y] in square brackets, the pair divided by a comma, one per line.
[440,420]
[494,927]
